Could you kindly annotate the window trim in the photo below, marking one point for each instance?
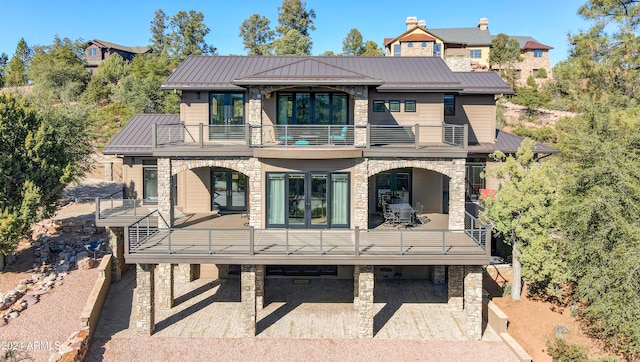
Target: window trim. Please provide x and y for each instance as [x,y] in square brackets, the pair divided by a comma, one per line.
[145,169]
[92,52]
[410,45]
[410,103]
[378,102]
[394,106]
[312,106]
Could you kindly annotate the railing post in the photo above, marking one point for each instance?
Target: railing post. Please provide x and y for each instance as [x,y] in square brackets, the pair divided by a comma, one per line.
[368,145]
[357,241]
[135,204]
[465,137]
[417,137]
[169,238]
[251,241]
[210,242]
[154,136]
[137,234]
[200,135]
[247,134]
[286,241]
[401,247]
[98,208]
[320,241]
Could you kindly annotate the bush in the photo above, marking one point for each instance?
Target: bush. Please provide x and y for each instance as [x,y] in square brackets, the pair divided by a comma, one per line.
[562,351]
[542,73]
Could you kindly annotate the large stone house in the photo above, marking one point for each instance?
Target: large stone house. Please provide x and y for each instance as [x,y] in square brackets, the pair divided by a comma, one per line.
[465,49]
[98,50]
[302,166]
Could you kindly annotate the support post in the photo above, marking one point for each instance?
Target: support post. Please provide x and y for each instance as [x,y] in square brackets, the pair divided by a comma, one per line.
[248,299]
[165,286]
[455,286]
[145,303]
[365,301]
[473,301]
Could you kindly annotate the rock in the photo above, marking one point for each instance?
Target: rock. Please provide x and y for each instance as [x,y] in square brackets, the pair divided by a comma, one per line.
[22,288]
[82,255]
[14,315]
[62,268]
[87,263]
[31,299]
[560,331]
[55,357]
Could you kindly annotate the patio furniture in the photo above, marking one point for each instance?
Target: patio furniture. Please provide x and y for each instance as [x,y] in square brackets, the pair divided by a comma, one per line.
[390,217]
[405,216]
[342,136]
[302,143]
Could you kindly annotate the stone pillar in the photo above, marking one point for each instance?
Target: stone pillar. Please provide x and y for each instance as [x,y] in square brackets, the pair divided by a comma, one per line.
[455,286]
[116,247]
[356,286]
[360,115]
[185,274]
[248,299]
[360,195]
[255,114]
[165,204]
[473,301]
[108,171]
[259,287]
[145,303]
[438,274]
[365,301]
[254,172]
[165,286]
[457,183]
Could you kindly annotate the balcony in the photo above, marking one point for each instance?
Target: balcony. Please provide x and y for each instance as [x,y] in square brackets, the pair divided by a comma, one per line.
[145,242]
[344,141]
[116,211]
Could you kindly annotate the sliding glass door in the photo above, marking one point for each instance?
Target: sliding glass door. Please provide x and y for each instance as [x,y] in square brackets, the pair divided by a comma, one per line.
[308,200]
[226,115]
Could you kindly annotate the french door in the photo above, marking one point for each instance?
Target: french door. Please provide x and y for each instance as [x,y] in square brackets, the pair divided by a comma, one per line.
[228,190]
[227,116]
[308,200]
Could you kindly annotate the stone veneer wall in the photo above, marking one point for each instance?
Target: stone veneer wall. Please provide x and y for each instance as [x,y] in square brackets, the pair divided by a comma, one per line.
[165,286]
[255,113]
[458,63]
[437,277]
[145,303]
[116,247]
[184,273]
[248,300]
[360,194]
[455,286]
[454,168]
[365,301]
[473,301]
[259,286]
[165,208]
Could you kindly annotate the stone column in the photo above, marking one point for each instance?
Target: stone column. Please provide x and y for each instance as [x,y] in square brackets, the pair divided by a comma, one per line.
[259,287]
[145,303]
[438,274]
[356,286]
[184,274]
[361,115]
[108,171]
[165,205]
[455,286]
[116,247]
[165,286]
[254,172]
[360,196]
[456,194]
[473,301]
[365,301]
[248,298]
[255,115]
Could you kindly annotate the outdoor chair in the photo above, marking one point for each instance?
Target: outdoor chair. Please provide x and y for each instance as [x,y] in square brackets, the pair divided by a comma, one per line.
[390,217]
[405,217]
[342,136]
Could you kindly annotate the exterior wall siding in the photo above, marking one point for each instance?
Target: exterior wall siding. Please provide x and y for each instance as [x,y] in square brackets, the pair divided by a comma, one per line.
[479,112]
[194,111]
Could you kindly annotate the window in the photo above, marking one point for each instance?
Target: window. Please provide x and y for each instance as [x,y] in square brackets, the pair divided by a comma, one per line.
[394,106]
[397,50]
[537,53]
[424,44]
[409,106]
[308,200]
[410,45]
[312,108]
[378,106]
[437,50]
[449,105]
[392,185]
[150,180]
[475,181]
[92,52]
[475,53]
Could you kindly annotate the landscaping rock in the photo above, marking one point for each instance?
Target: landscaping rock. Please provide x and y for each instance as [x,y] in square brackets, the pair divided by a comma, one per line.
[31,299]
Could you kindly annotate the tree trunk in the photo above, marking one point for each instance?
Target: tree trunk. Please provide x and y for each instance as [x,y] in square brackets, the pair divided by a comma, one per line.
[516,282]
[1,262]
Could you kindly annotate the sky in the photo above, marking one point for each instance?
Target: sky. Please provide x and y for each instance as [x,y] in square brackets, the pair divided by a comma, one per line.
[128,22]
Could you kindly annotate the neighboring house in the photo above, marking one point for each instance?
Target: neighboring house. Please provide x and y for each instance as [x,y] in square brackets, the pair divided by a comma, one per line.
[465,49]
[98,50]
[290,165]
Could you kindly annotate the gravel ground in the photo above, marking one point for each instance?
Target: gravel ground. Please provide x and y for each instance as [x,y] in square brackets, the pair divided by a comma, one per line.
[37,330]
[268,349]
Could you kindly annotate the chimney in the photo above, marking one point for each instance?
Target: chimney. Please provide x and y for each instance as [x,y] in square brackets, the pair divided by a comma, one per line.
[483,24]
[422,24]
[412,22]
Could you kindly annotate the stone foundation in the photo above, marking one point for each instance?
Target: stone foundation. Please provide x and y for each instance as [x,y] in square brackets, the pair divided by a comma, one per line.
[248,299]
[185,273]
[145,303]
[116,248]
[473,301]
[165,286]
[455,286]
[365,301]
[259,287]
[437,277]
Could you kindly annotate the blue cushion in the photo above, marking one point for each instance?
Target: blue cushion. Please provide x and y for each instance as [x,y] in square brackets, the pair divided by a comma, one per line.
[302,143]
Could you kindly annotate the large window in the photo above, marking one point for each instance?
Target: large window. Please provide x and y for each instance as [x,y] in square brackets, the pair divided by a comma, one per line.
[475,53]
[397,50]
[313,108]
[449,105]
[308,200]
[393,187]
[149,180]
[475,181]
[437,49]
[92,52]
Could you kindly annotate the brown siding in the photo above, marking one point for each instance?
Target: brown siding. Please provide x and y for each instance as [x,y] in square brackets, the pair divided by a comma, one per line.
[194,111]
[479,112]
[429,109]
[132,177]
[427,189]
[198,184]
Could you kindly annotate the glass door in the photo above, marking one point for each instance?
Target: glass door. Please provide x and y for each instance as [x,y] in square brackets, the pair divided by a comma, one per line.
[297,201]
[226,116]
[229,190]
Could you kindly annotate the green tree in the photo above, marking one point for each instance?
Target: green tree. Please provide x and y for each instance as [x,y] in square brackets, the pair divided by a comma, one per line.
[256,35]
[40,153]
[4,58]
[57,71]
[16,70]
[292,43]
[371,49]
[106,78]
[352,43]
[505,51]
[158,32]
[520,211]
[187,33]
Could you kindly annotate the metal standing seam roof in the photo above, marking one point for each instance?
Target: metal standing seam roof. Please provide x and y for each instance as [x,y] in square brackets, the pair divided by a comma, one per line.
[390,73]
[528,42]
[468,36]
[482,83]
[507,143]
[132,49]
[135,137]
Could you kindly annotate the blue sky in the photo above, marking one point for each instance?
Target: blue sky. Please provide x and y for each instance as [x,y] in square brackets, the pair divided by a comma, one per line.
[127,22]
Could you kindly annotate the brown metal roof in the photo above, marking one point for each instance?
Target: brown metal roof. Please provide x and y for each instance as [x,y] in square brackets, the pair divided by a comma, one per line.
[393,73]
[135,137]
[507,143]
[482,82]
[417,37]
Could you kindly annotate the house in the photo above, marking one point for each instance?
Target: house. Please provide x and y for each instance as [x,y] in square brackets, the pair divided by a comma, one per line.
[288,166]
[98,50]
[465,49]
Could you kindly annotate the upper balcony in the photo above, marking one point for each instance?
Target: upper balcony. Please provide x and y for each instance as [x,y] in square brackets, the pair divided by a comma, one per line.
[310,141]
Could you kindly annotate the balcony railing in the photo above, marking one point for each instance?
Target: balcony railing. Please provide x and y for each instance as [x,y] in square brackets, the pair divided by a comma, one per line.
[479,232]
[326,136]
[118,208]
[146,238]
